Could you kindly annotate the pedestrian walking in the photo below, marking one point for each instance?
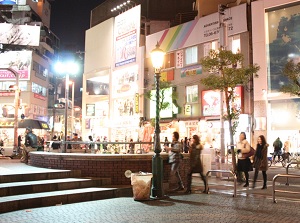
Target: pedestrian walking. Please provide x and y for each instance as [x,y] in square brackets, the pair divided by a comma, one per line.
[195,166]
[244,163]
[261,160]
[175,159]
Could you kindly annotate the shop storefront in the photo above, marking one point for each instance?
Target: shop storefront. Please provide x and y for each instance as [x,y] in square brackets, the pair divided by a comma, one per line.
[276,114]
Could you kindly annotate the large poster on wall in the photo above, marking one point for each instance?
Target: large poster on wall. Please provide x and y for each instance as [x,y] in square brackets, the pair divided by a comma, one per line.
[284,45]
[19,61]
[19,34]
[126,36]
[125,82]
[211,101]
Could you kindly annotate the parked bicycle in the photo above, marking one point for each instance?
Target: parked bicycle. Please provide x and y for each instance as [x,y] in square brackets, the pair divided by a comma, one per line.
[284,158]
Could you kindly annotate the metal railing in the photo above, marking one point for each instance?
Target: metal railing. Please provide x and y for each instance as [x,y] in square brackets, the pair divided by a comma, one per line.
[287,171]
[222,171]
[109,146]
[283,191]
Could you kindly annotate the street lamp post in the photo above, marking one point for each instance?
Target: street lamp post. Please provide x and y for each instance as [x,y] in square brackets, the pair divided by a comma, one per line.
[17,105]
[157,57]
[66,110]
[72,111]
[67,68]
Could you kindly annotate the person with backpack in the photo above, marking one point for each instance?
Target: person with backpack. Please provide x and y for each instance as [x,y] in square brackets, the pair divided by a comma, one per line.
[277,148]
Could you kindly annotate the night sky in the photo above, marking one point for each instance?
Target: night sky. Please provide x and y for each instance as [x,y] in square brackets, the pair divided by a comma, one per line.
[69,21]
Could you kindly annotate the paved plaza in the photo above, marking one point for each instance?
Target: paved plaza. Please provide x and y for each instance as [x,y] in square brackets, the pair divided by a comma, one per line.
[250,205]
[182,208]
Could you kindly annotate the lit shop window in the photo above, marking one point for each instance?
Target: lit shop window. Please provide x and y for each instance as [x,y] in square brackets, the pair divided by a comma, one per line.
[191,55]
[39,89]
[5,85]
[192,94]
[236,44]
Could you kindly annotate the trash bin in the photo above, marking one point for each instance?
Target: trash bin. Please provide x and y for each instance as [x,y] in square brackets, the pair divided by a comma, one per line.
[141,184]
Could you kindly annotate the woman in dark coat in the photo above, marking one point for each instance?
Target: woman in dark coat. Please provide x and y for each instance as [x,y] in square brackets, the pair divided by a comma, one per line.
[195,163]
[261,160]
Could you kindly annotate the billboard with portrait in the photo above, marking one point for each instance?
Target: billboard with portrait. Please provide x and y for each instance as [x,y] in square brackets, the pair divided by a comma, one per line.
[211,101]
[20,61]
[126,36]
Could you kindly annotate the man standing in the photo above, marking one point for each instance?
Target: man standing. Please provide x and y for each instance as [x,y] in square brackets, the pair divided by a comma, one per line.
[75,139]
[55,144]
[277,148]
[31,144]
[175,159]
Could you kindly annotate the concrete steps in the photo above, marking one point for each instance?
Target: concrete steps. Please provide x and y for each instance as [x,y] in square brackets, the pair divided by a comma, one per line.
[36,200]
[33,190]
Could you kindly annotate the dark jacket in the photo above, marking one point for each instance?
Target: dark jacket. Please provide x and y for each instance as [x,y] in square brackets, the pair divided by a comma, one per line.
[31,140]
[195,162]
[261,163]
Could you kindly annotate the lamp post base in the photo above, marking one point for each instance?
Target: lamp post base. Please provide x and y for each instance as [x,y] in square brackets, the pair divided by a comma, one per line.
[157,180]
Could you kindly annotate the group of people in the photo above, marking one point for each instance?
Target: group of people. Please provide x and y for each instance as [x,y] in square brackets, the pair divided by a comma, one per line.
[244,164]
[175,156]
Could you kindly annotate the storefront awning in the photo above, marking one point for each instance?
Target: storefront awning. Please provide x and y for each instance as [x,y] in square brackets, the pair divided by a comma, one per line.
[34,124]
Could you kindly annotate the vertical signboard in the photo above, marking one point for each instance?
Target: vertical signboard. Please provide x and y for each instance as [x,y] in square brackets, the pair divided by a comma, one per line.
[126,36]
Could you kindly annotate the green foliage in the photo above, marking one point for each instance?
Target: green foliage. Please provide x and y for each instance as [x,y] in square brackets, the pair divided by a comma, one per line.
[292,72]
[227,71]
[164,85]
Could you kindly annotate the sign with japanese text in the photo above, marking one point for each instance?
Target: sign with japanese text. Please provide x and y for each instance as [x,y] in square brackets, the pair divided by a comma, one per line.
[179,59]
[126,36]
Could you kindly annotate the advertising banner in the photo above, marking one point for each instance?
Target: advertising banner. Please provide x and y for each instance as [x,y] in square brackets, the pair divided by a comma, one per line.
[25,35]
[211,102]
[126,36]
[191,71]
[204,29]
[125,82]
[20,61]
[179,59]
[90,110]
[124,107]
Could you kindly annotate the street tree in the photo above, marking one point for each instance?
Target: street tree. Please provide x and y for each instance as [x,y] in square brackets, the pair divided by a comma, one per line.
[226,72]
[292,72]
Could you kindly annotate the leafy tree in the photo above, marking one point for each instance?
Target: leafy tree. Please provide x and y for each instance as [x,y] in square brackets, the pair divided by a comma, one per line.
[227,72]
[163,104]
[292,72]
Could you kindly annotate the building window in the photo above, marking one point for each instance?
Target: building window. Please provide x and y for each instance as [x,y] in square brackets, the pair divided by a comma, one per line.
[39,89]
[207,47]
[192,94]
[191,55]
[169,61]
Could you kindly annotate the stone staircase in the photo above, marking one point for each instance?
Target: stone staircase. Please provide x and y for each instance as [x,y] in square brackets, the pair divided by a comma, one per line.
[33,190]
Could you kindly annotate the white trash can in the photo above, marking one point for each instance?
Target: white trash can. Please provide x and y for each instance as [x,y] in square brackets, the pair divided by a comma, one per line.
[141,185]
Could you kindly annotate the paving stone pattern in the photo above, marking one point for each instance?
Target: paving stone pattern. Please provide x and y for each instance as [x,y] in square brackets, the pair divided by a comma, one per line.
[181,208]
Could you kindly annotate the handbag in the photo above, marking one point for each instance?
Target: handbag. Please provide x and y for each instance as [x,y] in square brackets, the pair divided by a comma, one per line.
[249,154]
